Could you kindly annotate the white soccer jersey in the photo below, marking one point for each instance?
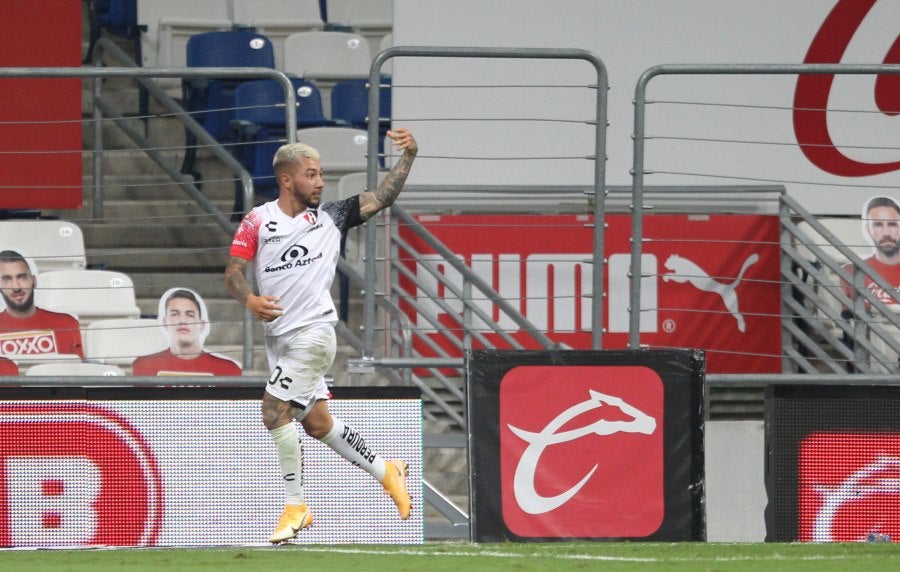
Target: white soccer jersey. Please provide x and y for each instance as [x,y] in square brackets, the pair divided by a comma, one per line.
[296,258]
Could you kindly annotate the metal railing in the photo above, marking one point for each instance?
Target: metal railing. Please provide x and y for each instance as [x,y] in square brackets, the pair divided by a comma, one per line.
[638,168]
[600,121]
[103,108]
[812,316]
[826,326]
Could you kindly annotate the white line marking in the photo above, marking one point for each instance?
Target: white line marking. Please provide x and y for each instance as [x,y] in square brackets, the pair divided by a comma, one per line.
[594,557]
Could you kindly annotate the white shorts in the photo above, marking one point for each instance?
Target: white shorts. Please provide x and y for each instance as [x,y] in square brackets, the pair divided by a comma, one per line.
[299,360]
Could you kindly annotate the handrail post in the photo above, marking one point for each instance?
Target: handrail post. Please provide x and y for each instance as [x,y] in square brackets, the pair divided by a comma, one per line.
[97,190]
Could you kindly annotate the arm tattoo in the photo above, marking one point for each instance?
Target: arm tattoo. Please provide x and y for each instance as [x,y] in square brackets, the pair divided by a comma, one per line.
[235,281]
[387,192]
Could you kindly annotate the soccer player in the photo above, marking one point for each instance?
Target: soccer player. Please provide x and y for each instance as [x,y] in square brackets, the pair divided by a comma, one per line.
[26,329]
[183,316]
[294,244]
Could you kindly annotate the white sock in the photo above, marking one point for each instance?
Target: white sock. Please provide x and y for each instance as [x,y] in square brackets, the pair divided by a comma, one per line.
[350,445]
[290,457]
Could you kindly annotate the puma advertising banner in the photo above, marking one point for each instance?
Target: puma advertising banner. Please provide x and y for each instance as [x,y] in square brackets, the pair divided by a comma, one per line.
[709,282]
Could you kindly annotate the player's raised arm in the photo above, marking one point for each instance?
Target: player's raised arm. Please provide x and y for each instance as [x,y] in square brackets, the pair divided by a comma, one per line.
[370,203]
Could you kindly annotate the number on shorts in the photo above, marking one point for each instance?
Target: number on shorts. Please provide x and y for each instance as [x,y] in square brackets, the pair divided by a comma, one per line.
[278,377]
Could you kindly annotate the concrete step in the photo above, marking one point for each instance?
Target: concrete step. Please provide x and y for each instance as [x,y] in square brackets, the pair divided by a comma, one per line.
[448,470]
[124,94]
[163,134]
[130,162]
[162,212]
[187,233]
[136,186]
[152,285]
[144,259]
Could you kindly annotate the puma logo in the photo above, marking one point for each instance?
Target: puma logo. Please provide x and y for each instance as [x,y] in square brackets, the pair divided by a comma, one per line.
[682,270]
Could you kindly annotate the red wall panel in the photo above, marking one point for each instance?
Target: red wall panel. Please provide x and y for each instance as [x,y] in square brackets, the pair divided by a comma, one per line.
[40,128]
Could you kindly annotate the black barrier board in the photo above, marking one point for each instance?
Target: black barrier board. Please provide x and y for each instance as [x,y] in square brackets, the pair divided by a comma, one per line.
[600,445]
[832,463]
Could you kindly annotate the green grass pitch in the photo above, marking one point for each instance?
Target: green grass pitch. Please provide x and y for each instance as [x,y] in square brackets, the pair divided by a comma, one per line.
[455,556]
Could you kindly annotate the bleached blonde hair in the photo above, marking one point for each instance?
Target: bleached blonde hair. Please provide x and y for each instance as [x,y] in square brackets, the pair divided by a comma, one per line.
[292,154]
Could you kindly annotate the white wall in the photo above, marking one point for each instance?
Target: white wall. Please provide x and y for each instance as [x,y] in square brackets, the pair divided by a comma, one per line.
[735,481]
[631,36]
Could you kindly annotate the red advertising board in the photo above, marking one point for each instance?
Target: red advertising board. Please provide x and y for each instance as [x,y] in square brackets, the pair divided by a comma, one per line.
[849,486]
[832,462]
[709,282]
[127,467]
[585,444]
[40,118]
[595,448]
[99,485]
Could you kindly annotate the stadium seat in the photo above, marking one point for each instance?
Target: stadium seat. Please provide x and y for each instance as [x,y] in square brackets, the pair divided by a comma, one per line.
[87,294]
[361,13]
[355,183]
[343,150]
[278,19]
[80,369]
[260,123]
[350,107]
[170,23]
[212,100]
[350,104]
[372,19]
[51,244]
[120,341]
[326,55]
[117,17]
[261,103]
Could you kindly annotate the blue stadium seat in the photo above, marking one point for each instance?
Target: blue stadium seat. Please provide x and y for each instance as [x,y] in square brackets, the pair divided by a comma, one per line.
[119,18]
[278,19]
[350,106]
[261,102]
[260,122]
[350,103]
[212,100]
[234,48]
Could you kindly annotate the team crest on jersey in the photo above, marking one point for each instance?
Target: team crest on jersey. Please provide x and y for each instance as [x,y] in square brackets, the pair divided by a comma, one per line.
[311,216]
